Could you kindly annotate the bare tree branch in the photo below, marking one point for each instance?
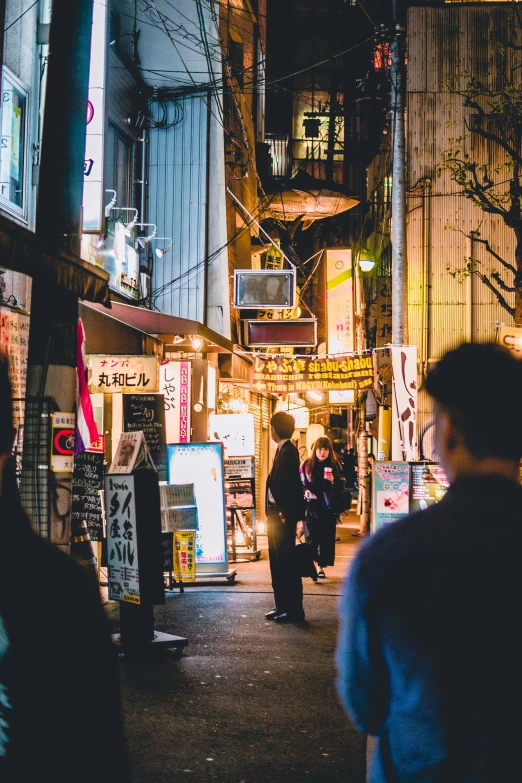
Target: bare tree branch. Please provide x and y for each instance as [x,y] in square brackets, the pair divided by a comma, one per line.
[494,137]
[501,283]
[490,250]
[502,301]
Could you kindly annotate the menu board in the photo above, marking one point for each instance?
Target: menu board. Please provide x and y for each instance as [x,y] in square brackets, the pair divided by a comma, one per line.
[201,464]
[428,485]
[146,413]
[87,483]
[391,488]
[122,546]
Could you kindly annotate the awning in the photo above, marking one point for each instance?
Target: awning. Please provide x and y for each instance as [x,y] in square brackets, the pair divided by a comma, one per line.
[22,251]
[175,332]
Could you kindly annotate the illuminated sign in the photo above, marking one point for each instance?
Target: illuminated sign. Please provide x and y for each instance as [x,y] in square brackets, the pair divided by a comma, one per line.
[175,380]
[510,337]
[339,301]
[201,464]
[111,374]
[235,431]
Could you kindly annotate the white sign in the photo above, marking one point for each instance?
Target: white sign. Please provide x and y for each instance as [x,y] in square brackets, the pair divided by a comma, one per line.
[14,342]
[175,382]
[404,410]
[510,337]
[110,374]
[62,442]
[201,464]
[339,298]
[93,191]
[240,467]
[235,431]
[343,397]
[122,546]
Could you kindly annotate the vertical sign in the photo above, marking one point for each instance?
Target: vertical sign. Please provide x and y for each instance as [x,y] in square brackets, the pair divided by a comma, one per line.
[404,410]
[93,190]
[14,342]
[87,481]
[184,555]
[122,548]
[391,487]
[384,312]
[62,442]
[339,301]
[175,380]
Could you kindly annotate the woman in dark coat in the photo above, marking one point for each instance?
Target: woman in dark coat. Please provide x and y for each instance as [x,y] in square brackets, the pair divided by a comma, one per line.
[322,480]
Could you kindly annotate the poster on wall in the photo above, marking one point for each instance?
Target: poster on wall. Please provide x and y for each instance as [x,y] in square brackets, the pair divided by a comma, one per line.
[184,551]
[235,431]
[201,464]
[391,493]
[428,485]
[122,547]
[174,384]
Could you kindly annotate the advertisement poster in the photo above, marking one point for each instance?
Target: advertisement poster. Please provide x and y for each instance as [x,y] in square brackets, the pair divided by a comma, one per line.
[174,384]
[285,375]
[391,493]
[428,485]
[184,560]
[112,374]
[122,549]
[201,464]
[62,442]
[235,431]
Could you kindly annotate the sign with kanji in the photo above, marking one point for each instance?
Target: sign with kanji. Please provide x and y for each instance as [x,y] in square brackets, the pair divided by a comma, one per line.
[14,342]
[184,555]
[146,413]
[122,546]
[111,374]
[62,442]
[87,483]
[384,312]
[286,374]
[175,379]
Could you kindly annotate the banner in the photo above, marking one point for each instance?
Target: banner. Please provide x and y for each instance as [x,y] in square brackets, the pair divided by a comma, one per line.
[404,411]
[175,379]
[284,375]
[184,560]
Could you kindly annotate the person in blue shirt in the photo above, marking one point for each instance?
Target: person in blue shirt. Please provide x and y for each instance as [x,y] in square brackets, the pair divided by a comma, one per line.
[430,648]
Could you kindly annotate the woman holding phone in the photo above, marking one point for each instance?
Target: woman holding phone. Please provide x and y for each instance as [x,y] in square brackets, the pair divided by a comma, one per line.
[321,475]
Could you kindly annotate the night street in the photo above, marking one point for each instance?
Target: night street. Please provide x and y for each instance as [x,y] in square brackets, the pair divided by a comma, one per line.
[248,700]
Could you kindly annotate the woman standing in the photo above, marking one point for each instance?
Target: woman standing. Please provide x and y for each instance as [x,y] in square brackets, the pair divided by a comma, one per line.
[322,480]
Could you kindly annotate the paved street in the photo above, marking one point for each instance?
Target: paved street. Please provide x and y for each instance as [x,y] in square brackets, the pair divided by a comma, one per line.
[248,700]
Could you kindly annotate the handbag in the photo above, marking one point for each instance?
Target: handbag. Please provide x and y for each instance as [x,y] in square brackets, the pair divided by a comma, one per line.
[304,559]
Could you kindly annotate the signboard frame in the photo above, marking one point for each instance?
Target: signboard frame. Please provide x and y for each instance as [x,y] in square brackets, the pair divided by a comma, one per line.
[285,274]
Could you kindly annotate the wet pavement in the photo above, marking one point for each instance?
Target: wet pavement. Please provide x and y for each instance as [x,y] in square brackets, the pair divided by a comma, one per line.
[248,701]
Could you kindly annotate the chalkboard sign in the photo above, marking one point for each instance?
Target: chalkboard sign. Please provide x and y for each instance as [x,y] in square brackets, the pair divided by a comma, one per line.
[87,481]
[146,412]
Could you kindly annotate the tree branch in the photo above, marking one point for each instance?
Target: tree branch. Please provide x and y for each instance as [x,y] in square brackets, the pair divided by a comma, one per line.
[502,301]
[490,250]
[501,283]
[497,139]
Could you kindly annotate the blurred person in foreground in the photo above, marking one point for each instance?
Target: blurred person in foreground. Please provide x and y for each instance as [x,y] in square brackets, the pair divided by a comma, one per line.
[284,508]
[430,644]
[60,716]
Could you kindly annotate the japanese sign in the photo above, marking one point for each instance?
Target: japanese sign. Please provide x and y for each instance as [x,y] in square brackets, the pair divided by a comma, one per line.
[146,413]
[510,337]
[235,431]
[122,549]
[384,311]
[428,485]
[184,560]
[14,342]
[175,380]
[201,464]
[239,467]
[284,375]
[62,442]
[404,438]
[87,482]
[180,518]
[391,486]
[177,495]
[111,374]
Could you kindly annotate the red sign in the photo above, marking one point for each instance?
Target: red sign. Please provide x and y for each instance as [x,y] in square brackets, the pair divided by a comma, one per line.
[63,442]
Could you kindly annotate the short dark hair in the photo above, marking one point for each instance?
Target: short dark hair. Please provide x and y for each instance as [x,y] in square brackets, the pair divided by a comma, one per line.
[480,386]
[6,407]
[283,423]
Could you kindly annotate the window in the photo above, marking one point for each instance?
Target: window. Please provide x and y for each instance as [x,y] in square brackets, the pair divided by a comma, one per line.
[236,62]
[12,143]
[118,166]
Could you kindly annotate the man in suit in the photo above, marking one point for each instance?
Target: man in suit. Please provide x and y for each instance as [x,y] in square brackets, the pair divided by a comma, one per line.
[284,508]
[430,644]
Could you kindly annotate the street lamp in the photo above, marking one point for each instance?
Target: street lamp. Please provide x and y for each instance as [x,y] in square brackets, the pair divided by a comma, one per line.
[366,262]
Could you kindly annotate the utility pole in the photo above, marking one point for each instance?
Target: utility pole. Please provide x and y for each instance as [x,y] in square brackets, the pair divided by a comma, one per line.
[399,253]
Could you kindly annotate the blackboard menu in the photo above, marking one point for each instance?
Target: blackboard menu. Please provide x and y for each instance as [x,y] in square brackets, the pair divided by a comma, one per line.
[87,481]
[146,412]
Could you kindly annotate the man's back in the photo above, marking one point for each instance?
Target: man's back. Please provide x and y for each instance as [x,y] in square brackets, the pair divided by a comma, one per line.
[430,648]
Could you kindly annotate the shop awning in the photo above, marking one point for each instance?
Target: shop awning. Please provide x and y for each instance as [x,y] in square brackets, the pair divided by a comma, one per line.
[22,251]
[176,332]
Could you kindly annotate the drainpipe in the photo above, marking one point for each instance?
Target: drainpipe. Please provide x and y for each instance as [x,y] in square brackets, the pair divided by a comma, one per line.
[426,274]
[207,211]
[470,241]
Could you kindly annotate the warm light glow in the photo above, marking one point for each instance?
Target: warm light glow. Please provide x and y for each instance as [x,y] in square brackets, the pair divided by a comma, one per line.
[197,342]
[261,528]
[315,396]
[366,264]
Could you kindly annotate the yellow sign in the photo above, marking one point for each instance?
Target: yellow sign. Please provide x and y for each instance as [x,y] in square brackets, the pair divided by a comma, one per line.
[185,555]
[510,337]
[284,375]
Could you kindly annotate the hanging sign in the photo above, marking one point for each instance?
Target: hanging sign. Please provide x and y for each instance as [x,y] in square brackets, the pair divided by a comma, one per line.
[391,488]
[110,374]
[284,375]
[62,442]
[122,548]
[404,411]
[184,555]
[174,384]
[146,413]
[87,482]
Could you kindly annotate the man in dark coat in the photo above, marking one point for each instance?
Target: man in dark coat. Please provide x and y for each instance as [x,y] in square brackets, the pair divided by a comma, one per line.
[60,716]
[284,508]
[430,646]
